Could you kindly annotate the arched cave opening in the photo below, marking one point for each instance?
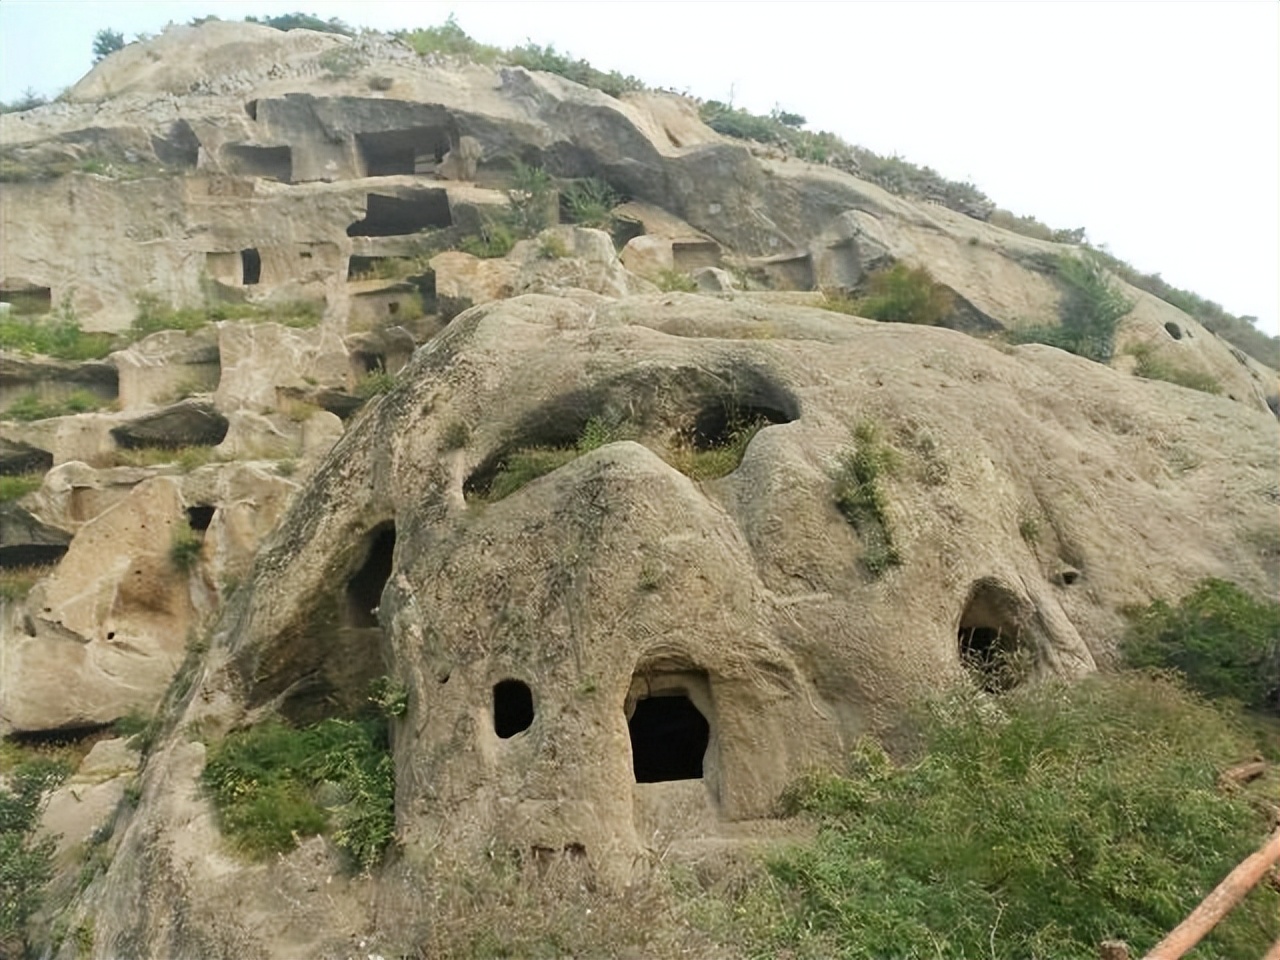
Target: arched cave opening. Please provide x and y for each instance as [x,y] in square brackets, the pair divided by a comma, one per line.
[990,638]
[512,708]
[200,516]
[669,737]
[364,589]
[250,266]
[1173,330]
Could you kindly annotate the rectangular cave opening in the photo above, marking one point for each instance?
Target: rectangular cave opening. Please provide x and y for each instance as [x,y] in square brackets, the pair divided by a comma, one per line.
[669,719]
[398,216]
[689,255]
[392,152]
[250,266]
[271,163]
[27,299]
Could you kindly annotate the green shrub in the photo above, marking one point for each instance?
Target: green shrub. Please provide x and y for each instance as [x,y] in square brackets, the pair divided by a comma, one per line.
[57,336]
[30,407]
[15,486]
[304,21]
[456,435]
[272,784]
[154,315]
[1226,642]
[16,582]
[903,294]
[374,383]
[524,466]
[1070,816]
[26,864]
[184,547]
[495,239]
[676,281]
[106,42]
[1151,367]
[531,56]
[448,39]
[590,202]
[1089,312]
[860,496]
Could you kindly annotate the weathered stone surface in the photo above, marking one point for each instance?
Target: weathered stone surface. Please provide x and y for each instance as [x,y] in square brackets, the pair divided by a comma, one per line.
[616,578]
[258,360]
[84,436]
[105,633]
[89,799]
[186,423]
[170,362]
[73,493]
[27,542]
[19,457]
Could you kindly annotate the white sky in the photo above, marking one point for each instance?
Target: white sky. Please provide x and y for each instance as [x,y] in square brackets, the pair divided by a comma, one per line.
[1153,125]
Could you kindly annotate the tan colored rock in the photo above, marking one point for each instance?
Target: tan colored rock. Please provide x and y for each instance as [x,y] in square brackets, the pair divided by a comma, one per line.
[253,436]
[166,367]
[83,436]
[89,799]
[616,586]
[260,359]
[105,633]
[460,276]
[648,256]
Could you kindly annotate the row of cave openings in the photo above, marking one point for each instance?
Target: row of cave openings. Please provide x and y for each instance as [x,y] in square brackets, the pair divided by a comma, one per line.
[671,712]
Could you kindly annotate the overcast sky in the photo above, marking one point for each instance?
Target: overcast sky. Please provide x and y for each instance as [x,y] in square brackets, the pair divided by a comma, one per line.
[1153,125]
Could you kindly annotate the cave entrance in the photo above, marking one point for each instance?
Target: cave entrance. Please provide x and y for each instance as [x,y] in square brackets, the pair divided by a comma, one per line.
[200,516]
[364,589]
[392,152]
[27,299]
[398,216]
[991,638]
[512,708]
[669,725]
[250,266]
[270,163]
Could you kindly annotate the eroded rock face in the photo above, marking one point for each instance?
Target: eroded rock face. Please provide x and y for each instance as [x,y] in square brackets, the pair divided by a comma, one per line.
[187,423]
[615,622]
[106,632]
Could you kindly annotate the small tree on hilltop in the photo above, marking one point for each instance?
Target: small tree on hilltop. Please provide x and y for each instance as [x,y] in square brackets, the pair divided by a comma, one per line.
[107,42]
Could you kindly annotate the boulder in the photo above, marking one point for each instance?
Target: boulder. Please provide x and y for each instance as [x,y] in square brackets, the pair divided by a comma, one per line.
[183,424]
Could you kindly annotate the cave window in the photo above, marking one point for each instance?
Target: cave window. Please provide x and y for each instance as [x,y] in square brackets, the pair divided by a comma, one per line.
[364,589]
[669,738]
[200,516]
[251,266]
[399,216]
[512,708]
[1173,330]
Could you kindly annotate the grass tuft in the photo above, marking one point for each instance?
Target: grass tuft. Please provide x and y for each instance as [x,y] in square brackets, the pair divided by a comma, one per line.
[860,496]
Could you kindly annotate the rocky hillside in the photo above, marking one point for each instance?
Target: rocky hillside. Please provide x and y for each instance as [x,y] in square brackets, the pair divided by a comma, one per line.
[559,421]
